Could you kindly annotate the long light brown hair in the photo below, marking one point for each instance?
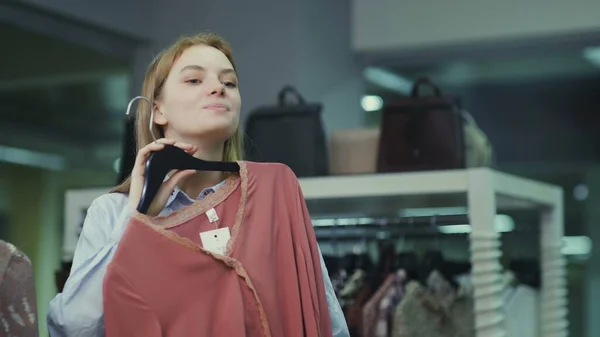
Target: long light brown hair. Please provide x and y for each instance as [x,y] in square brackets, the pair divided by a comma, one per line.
[154,80]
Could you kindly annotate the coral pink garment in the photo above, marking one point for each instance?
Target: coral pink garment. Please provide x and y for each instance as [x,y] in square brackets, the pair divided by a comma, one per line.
[161,282]
[371,308]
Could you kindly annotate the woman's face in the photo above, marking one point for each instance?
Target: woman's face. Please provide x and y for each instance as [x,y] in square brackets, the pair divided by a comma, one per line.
[200,99]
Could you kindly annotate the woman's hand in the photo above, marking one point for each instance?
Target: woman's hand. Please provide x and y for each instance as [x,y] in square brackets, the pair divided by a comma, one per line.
[139,170]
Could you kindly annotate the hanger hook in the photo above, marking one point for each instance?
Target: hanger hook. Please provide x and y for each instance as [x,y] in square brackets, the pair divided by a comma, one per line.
[151,124]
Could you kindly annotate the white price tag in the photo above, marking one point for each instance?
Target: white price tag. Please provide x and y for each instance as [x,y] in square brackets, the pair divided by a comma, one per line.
[215,241]
[212,215]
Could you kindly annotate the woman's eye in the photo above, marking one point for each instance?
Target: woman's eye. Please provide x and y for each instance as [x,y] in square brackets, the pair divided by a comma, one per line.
[194,81]
[230,84]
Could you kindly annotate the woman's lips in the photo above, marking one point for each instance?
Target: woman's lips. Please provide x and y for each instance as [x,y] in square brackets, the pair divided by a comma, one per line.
[216,107]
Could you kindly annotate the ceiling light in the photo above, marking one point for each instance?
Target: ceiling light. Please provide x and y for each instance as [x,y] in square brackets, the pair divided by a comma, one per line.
[371,103]
[388,80]
[576,245]
[31,158]
[502,224]
[592,54]
[117,165]
[581,192]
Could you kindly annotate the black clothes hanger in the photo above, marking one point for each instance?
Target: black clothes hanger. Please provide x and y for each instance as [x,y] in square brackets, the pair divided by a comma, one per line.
[173,158]
[527,271]
[352,262]
[434,260]
[387,257]
[386,261]
[409,262]
[170,158]
[127,152]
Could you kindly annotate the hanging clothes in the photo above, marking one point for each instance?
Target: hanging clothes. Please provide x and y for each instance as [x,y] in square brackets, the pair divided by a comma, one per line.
[521,313]
[387,305]
[413,315]
[370,310]
[168,278]
[434,311]
[459,303]
[354,310]
[353,284]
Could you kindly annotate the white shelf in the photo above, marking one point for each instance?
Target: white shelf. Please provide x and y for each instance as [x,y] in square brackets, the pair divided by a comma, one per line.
[385,184]
[525,192]
[387,193]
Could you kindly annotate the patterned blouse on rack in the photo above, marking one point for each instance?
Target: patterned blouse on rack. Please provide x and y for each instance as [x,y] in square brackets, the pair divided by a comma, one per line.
[17,293]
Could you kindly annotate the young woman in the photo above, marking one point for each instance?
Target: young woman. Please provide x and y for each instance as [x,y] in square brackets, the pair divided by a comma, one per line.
[194,88]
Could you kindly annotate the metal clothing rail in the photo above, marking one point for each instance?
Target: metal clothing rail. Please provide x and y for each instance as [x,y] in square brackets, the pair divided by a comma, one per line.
[385,228]
[405,221]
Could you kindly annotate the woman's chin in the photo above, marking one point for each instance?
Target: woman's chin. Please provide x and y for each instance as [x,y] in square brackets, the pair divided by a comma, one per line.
[217,131]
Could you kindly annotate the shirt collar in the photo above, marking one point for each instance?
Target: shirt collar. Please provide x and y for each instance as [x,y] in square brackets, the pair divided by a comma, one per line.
[178,193]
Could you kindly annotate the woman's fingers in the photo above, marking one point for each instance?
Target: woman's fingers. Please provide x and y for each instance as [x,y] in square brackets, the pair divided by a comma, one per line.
[143,153]
[138,173]
[184,146]
[166,189]
[175,179]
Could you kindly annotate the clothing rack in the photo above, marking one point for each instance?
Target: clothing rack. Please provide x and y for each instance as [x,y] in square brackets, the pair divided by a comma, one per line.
[484,192]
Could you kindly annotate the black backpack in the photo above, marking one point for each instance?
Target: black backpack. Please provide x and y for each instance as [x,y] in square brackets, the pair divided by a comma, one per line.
[290,132]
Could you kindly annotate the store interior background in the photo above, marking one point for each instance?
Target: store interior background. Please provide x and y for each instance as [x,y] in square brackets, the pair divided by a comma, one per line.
[529,73]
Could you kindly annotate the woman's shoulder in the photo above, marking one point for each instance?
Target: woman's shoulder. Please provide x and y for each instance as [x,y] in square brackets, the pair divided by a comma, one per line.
[110,204]
[104,214]
[270,169]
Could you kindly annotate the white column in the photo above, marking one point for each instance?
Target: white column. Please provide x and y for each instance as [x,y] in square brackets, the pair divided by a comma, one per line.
[592,279]
[553,302]
[485,255]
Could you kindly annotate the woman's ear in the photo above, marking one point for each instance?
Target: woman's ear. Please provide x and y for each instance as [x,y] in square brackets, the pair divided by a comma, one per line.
[159,117]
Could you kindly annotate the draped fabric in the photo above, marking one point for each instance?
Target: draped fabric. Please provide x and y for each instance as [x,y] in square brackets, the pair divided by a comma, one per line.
[164,279]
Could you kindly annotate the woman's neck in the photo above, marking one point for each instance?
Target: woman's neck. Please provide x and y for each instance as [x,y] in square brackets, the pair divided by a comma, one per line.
[193,185]
[199,181]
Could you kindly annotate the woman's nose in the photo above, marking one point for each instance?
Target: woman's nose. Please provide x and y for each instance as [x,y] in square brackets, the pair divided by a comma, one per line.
[216,88]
